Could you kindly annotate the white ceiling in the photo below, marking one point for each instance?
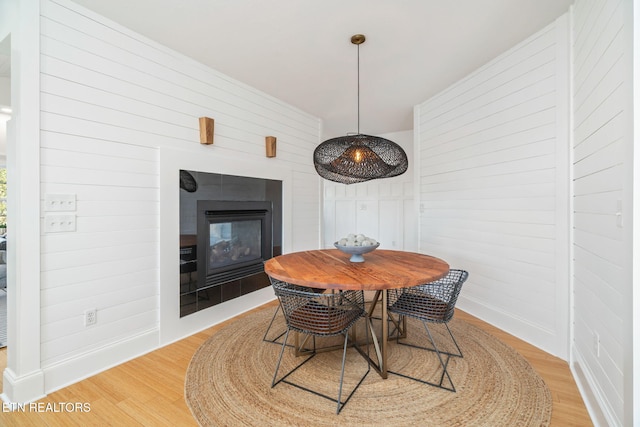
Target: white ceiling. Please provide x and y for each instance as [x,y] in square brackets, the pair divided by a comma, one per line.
[300,51]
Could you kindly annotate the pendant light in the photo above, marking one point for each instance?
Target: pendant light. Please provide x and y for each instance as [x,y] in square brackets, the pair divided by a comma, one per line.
[357,158]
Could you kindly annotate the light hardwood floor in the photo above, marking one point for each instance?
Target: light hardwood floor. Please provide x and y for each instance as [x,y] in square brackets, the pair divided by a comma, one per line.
[149,390]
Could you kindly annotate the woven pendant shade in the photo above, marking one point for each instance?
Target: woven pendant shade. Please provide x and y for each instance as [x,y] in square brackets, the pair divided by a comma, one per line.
[188,182]
[357,158]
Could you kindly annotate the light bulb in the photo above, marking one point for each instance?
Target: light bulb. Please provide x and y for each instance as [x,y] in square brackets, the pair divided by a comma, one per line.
[357,156]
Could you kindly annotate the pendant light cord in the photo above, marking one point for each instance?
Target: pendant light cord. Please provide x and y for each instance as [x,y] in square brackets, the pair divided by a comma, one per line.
[358,89]
[350,159]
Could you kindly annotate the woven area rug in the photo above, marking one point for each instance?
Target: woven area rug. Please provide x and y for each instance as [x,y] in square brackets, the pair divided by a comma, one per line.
[228,383]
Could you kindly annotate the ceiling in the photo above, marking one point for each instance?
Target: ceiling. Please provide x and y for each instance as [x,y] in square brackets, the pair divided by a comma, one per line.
[300,51]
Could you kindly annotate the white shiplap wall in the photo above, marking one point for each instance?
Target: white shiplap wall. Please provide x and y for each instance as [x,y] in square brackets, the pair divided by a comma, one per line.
[111,102]
[493,172]
[382,208]
[602,148]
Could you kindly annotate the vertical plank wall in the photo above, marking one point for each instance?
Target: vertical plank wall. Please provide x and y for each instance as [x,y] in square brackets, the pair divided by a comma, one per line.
[493,181]
[383,208]
[111,99]
[602,90]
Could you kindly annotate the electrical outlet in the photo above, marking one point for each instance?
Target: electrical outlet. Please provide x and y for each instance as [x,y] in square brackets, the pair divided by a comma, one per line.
[90,317]
[596,343]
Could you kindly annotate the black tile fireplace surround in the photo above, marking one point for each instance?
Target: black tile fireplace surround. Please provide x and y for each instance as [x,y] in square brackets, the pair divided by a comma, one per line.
[229,225]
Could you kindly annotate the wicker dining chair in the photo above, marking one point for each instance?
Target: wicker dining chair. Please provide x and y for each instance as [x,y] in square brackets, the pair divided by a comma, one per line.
[275,337]
[433,302]
[320,315]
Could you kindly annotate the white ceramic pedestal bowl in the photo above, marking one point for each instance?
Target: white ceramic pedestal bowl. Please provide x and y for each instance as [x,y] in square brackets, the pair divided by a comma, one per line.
[356,252]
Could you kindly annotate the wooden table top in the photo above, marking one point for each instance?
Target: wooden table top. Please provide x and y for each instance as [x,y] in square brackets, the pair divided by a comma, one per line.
[331,269]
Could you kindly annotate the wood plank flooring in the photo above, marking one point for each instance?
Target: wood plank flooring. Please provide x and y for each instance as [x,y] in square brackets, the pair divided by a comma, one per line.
[149,390]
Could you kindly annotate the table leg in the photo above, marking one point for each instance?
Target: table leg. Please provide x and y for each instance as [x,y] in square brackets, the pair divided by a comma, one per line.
[299,344]
[376,297]
[385,334]
[380,345]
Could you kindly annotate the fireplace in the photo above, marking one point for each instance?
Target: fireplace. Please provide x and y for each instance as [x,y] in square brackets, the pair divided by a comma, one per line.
[234,239]
[229,225]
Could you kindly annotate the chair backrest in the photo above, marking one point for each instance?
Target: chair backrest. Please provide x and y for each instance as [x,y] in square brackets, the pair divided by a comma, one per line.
[318,313]
[188,253]
[188,259]
[440,296]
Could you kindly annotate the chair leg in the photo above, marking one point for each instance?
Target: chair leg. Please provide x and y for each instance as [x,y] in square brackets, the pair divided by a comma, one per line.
[344,357]
[404,335]
[455,342]
[274,340]
[339,401]
[275,374]
[443,362]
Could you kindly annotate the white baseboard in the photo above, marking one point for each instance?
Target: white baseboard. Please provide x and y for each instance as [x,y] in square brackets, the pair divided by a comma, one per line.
[175,329]
[25,388]
[67,372]
[533,334]
[53,377]
[599,411]
[70,371]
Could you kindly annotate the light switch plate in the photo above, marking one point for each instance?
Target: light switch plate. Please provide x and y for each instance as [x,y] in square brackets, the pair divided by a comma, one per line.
[60,202]
[54,223]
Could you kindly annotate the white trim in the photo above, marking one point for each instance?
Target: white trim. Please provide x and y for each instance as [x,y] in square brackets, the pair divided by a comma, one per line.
[630,207]
[321,195]
[416,172]
[571,357]
[83,366]
[563,184]
[23,378]
[21,389]
[635,310]
[544,339]
[594,401]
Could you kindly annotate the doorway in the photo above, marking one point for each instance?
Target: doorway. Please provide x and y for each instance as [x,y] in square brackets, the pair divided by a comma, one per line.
[5,116]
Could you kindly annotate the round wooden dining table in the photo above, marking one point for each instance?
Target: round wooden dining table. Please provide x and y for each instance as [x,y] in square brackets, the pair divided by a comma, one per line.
[381,270]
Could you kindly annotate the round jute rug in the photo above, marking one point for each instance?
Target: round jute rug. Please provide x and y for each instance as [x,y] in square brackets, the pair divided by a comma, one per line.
[228,382]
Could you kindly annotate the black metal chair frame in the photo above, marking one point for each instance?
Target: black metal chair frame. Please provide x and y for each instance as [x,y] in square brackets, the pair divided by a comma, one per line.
[275,313]
[188,262]
[273,318]
[320,315]
[300,348]
[273,340]
[430,303]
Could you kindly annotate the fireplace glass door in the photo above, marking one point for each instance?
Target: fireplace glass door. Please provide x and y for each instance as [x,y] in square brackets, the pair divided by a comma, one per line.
[234,242]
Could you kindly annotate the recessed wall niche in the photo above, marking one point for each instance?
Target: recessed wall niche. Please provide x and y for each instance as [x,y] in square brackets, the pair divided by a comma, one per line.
[229,225]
